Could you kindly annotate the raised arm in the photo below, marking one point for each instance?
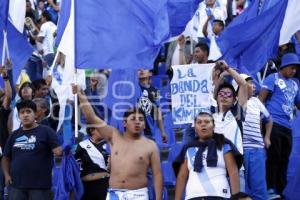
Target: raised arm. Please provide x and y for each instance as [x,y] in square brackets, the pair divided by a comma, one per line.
[92,119]
[7,88]
[243,87]
[204,29]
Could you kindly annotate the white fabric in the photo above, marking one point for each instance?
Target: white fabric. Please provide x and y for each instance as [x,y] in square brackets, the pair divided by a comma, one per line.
[191,91]
[93,153]
[47,31]
[175,56]
[291,22]
[214,50]
[228,126]
[252,136]
[211,181]
[124,194]
[67,47]
[17,11]
[198,20]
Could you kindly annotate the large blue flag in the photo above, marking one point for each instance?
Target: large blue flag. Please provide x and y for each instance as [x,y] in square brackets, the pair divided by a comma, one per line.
[180,13]
[4,4]
[19,48]
[65,10]
[119,34]
[124,91]
[250,40]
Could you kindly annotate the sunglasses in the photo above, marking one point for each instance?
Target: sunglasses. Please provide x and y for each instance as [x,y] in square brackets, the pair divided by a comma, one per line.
[225,94]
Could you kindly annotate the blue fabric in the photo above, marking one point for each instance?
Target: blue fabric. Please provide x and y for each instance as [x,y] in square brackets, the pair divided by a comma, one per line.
[69,175]
[211,158]
[244,45]
[180,13]
[281,104]
[65,9]
[124,92]
[255,173]
[119,34]
[19,48]
[293,175]
[4,4]
[69,179]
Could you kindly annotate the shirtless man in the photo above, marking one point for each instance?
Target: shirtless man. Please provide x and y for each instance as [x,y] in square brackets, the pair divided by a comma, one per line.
[131,154]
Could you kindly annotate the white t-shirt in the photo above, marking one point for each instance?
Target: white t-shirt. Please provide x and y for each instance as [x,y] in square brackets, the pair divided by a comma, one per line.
[47,31]
[211,181]
[228,126]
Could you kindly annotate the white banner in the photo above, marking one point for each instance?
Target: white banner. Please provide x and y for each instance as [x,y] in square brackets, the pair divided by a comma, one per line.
[191,90]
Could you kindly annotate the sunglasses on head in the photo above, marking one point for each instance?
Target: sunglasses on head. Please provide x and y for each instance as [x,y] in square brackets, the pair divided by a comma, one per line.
[225,94]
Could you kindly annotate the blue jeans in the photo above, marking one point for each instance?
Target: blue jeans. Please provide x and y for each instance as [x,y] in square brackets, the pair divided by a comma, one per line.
[255,173]
[26,194]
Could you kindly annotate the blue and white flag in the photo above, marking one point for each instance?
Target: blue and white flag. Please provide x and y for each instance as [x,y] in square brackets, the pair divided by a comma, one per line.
[253,37]
[13,43]
[65,11]
[180,13]
[119,34]
[62,81]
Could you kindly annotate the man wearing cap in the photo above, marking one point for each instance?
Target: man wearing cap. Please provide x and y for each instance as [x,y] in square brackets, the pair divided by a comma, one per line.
[280,92]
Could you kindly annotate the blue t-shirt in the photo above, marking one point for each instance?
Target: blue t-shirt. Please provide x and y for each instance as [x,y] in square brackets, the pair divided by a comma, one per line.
[285,94]
[31,157]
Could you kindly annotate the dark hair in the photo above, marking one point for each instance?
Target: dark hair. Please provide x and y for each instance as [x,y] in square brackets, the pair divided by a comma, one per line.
[39,83]
[89,130]
[47,15]
[229,86]
[204,47]
[26,84]
[26,104]
[220,22]
[43,104]
[206,114]
[132,111]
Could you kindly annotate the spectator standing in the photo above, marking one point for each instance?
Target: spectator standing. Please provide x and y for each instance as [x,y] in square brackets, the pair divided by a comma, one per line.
[133,152]
[205,163]
[46,37]
[93,158]
[28,157]
[280,93]
[255,142]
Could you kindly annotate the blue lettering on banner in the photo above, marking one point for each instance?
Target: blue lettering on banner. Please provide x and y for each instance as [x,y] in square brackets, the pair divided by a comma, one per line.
[181,113]
[189,86]
[190,73]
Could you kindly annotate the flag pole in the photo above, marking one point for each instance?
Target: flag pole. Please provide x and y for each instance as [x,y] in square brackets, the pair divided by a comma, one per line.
[3,48]
[76,107]
[265,73]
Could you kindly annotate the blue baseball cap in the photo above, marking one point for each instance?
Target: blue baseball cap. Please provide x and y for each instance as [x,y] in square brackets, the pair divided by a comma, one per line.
[289,59]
